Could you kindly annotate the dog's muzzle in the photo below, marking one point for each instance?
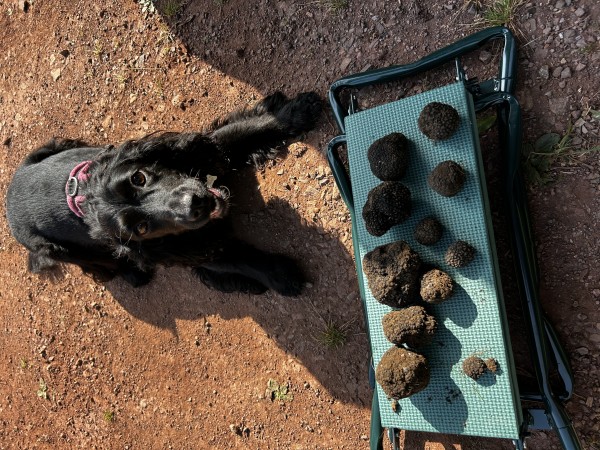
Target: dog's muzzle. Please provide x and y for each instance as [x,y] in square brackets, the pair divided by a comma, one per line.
[195,208]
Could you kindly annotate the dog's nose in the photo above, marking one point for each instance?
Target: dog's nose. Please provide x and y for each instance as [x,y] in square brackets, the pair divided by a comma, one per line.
[200,206]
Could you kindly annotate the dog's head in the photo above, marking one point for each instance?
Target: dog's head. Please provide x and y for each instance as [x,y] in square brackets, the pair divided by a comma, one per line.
[135,195]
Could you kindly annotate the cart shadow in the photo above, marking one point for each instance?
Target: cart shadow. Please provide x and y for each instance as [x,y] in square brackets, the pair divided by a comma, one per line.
[443,405]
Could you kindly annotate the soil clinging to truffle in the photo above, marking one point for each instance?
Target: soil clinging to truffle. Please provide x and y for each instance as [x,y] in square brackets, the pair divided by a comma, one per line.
[428,231]
[388,157]
[411,326]
[473,367]
[387,204]
[436,286]
[392,272]
[447,178]
[438,121]
[459,254]
[402,373]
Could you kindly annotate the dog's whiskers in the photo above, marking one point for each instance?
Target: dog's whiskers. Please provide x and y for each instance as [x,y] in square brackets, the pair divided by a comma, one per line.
[120,237]
[226,192]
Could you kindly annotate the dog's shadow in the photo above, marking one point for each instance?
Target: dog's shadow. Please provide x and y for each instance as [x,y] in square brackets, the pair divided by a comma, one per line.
[295,324]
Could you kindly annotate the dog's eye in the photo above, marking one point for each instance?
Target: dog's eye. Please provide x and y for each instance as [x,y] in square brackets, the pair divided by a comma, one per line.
[141,228]
[138,179]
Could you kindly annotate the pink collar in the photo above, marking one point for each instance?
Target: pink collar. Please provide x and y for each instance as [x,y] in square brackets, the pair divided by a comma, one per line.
[79,173]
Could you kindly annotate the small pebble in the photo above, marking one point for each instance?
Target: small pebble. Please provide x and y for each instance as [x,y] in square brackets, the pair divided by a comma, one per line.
[485,56]
[556,72]
[55,74]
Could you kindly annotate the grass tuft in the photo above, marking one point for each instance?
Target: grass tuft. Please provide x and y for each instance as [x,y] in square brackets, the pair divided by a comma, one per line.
[171,8]
[500,13]
[336,5]
[333,335]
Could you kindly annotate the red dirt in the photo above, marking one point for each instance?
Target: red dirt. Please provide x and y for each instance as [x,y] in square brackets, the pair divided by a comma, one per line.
[175,365]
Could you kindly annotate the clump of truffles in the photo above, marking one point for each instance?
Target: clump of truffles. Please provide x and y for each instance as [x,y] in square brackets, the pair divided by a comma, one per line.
[387,204]
[428,231]
[388,157]
[411,326]
[436,286]
[459,254]
[392,272]
[447,178]
[438,121]
[492,365]
[402,373]
[473,367]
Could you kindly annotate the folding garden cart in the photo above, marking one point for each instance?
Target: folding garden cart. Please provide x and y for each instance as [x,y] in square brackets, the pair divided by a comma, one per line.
[474,320]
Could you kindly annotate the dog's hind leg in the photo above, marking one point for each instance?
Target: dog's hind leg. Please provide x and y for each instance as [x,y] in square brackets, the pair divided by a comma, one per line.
[41,263]
[55,146]
[253,135]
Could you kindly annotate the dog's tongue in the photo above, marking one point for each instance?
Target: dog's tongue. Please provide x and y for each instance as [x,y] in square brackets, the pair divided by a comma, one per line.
[215,192]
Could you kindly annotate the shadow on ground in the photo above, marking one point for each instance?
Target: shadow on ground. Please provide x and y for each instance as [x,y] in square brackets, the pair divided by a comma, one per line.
[293,323]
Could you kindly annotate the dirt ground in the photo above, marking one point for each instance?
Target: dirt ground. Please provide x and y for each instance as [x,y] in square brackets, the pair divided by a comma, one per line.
[176,365]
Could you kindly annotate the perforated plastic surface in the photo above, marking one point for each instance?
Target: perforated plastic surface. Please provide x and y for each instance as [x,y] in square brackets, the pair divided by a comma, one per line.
[473,320]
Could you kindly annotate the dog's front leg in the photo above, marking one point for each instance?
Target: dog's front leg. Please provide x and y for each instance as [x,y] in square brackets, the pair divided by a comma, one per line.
[253,135]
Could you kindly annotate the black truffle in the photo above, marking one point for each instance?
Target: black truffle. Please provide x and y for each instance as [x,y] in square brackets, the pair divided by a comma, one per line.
[473,367]
[387,204]
[436,286]
[411,326]
[438,121]
[428,231]
[388,157]
[459,254]
[447,178]
[402,373]
[392,272]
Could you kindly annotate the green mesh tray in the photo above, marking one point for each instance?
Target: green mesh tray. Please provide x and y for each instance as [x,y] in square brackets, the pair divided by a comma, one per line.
[473,321]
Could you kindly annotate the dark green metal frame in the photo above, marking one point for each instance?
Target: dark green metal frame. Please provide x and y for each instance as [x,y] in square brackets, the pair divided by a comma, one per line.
[547,353]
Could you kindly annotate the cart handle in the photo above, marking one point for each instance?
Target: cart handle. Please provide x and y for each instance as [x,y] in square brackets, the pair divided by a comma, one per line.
[506,75]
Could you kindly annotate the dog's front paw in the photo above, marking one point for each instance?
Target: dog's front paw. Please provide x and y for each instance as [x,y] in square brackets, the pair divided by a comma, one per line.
[271,104]
[301,113]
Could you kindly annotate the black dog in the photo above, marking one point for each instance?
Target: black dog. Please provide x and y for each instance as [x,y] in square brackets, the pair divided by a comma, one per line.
[122,211]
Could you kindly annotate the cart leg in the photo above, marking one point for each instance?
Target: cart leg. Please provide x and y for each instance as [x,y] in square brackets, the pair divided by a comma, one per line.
[376,438]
